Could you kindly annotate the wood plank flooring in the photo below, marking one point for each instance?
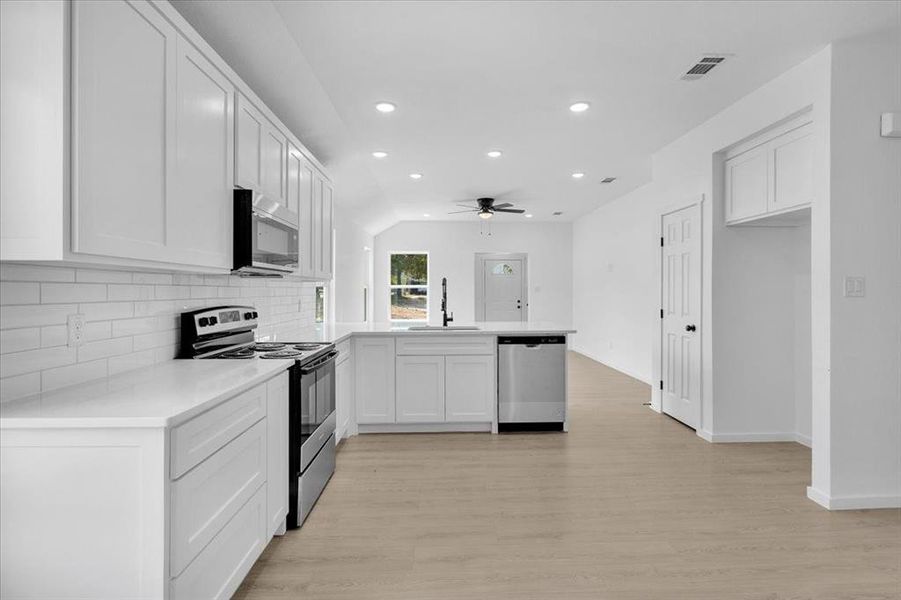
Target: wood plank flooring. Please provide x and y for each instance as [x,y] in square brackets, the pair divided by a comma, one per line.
[628,505]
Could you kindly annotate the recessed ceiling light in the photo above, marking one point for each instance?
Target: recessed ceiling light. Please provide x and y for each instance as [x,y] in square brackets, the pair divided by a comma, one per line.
[380,154]
[578,175]
[579,107]
[494,153]
[557,213]
[528,215]
[415,175]
[385,107]
[426,215]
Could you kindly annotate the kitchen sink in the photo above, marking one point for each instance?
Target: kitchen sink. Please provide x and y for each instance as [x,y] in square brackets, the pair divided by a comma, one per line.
[440,328]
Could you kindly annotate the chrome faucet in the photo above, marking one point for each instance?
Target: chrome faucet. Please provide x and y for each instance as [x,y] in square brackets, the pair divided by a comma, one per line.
[445,319]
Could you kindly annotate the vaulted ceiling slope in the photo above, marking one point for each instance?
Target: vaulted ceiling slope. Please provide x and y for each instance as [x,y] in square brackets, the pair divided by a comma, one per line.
[468,77]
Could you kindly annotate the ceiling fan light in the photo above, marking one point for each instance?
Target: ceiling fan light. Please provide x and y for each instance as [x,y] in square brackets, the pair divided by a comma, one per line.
[484,214]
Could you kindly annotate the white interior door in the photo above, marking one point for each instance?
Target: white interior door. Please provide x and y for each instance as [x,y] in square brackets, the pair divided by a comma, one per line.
[502,289]
[681,315]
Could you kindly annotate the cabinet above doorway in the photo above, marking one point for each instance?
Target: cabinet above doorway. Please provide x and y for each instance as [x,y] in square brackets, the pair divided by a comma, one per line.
[770,176]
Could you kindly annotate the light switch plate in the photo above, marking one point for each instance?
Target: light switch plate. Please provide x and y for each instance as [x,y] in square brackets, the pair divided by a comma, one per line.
[855,287]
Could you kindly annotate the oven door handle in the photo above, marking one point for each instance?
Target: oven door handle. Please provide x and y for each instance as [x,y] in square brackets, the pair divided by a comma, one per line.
[319,363]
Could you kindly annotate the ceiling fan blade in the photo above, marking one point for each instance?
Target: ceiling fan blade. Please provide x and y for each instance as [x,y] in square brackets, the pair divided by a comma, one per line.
[518,211]
[468,206]
[502,205]
[457,212]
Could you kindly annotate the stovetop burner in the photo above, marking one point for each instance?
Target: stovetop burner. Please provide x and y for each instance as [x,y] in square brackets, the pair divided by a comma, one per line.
[246,352]
[268,346]
[309,347]
[283,354]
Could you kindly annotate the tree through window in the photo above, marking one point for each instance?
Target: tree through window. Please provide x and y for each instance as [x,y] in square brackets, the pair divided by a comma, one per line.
[409,286]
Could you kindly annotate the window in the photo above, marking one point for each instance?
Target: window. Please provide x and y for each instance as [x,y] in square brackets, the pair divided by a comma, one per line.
[502,269]
[409,286]
[320,303]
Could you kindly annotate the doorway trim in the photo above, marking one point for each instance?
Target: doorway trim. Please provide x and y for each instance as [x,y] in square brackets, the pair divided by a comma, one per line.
[480,258]
[657,329]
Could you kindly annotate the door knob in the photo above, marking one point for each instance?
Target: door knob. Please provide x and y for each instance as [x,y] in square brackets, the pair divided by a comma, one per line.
[690,328]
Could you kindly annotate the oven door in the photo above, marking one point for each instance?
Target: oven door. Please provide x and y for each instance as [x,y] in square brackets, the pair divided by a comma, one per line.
[317,407]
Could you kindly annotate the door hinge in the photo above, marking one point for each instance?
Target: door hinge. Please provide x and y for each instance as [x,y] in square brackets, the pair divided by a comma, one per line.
[661,384]
[661,242]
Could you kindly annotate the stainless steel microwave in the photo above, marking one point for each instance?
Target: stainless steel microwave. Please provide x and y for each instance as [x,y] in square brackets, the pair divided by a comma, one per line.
[265,236]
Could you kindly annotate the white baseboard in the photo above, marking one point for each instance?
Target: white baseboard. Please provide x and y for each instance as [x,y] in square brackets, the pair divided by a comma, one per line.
[607,364]
[770,436]
[852,502]
[422,427]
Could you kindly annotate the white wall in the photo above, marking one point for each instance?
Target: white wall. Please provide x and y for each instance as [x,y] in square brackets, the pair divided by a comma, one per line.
[452,247]
[352,268]
[862,419]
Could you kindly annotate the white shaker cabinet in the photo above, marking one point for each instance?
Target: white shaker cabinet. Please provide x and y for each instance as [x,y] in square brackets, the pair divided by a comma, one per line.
[277,464]
[471,389]
[302,177]
[249,131]
[344,391]
[326,229]
[374,379]
[770,175]
[420,389]
[124,129]
[273,163]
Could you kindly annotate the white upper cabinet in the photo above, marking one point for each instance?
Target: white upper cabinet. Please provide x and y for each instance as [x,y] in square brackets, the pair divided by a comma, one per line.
[305,181]
[204,163]
[327,232]
[770,175]
[162,130]
[248,144]
[124,131]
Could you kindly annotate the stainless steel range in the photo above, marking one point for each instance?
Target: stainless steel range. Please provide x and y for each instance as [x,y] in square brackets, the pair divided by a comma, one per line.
[227,332]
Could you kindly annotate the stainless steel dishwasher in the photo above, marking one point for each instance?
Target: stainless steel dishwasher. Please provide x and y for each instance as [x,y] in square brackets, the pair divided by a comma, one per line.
[531,382]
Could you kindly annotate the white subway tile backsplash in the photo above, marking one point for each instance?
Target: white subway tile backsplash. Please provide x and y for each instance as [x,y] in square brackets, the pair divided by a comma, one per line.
[23,272]
[17,340]
[31,315]
[29,361]
[20,292]
[53,293]
[132,319]
[52,379]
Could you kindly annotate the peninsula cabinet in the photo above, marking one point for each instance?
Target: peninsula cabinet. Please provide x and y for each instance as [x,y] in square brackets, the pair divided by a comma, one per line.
[374,379]
[771,176]
[124,135]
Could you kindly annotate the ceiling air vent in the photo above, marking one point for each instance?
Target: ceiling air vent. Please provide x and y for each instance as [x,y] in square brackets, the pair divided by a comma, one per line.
[608,179]
[704,65]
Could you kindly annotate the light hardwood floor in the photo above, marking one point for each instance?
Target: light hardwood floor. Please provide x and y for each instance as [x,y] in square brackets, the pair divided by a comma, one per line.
[628,505]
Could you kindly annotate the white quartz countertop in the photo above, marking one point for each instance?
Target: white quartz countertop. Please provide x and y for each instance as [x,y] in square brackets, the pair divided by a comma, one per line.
[338,332]
[163,395]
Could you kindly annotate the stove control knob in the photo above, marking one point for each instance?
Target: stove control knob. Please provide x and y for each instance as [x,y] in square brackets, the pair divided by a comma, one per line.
[255,315]
[248,315]
[213,320]
[203,321]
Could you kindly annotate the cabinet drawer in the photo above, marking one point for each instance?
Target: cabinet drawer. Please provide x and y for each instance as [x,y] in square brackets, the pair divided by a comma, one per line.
[205,499]
[446,344]
[219,569]
[200,437]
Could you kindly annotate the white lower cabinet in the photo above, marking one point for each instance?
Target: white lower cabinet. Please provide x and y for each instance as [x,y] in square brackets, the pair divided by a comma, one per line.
[344,391]
[471,388]
[277,455]
[374,379]
[420,389]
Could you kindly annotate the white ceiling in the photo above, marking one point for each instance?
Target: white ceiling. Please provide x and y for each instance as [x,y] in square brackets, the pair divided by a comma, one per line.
[473,76]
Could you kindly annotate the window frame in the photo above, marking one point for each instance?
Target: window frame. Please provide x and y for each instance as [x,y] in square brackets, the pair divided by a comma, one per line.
[427,286]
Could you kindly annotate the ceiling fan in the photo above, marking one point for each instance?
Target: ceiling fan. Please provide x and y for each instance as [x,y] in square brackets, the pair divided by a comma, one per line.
[486,208]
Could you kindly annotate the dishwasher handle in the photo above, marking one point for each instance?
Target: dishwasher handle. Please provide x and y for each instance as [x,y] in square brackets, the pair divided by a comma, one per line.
[530,341]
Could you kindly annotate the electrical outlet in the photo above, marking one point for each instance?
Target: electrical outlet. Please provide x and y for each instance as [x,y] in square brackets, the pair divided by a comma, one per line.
[855,287]
[76,330]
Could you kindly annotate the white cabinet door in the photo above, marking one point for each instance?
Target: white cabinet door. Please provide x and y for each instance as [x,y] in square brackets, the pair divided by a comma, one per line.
[204,163]
[327,225]
[277,454]
[300,185]
[273,162]
[420,389]
[791,169]
[344,394]
[317,226]
[249,123]
[124,65]
[746,185]
[471,390]
[295,179]
[374,379]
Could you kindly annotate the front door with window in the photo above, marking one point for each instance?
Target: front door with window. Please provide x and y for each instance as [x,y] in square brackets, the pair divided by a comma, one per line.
[503,292]
[681,315]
